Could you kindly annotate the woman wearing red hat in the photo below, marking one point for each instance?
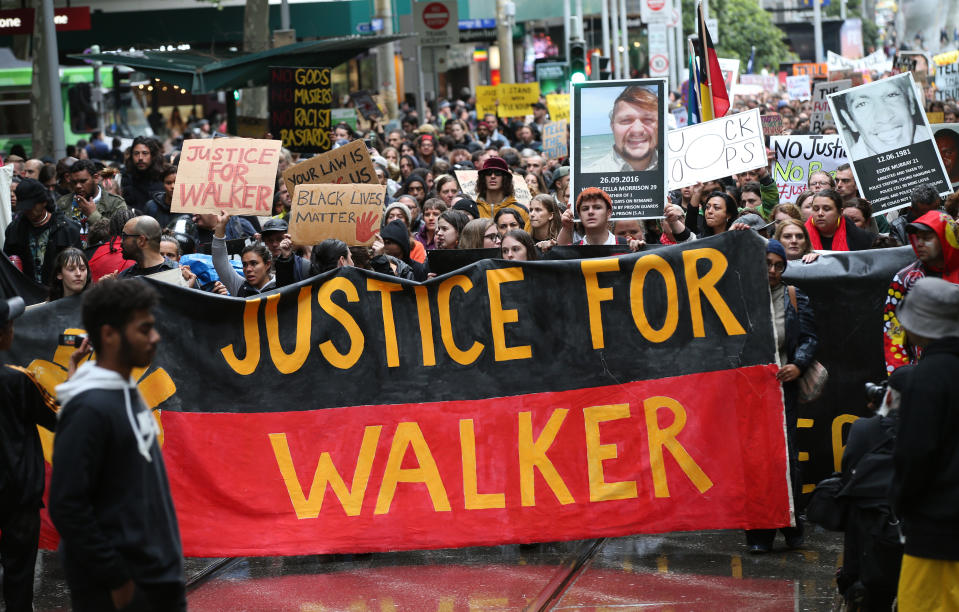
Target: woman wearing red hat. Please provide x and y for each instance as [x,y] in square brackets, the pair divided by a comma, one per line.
[494,191]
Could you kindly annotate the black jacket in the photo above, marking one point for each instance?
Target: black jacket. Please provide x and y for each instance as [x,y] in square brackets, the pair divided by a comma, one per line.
[139,187]
[64,233]
[110,504]
[23,406]
[158,209]
[925,492]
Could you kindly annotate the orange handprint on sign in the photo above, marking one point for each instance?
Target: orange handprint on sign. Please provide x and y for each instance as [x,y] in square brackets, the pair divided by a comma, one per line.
[365,226]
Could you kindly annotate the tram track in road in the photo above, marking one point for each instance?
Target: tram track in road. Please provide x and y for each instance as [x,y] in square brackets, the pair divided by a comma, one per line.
[211,571]
[565,577]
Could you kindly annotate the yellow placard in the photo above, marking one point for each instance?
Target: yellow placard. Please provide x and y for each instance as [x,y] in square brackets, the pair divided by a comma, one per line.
[485,100]
[950,57]
[516,99]
[347,212]
[936,117]
[236,175]
[558,106]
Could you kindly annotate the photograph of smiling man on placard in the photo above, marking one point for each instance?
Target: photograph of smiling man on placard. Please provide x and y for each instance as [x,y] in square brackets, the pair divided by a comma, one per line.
[634,124]
[888,141]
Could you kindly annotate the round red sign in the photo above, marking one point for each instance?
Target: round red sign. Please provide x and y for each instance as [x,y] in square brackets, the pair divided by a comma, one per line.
[435,16]
[656,5]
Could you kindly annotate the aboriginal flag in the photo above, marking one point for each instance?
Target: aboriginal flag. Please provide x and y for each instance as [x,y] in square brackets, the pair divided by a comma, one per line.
[713,83]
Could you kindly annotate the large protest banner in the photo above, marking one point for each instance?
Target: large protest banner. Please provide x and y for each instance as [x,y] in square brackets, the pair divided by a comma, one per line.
[618,144]
[717,148]
[300,100]
[821,117]
[350,163]
[355,412]
[347,212]
[888,141]
[877,61]
[236,175]
[799,156]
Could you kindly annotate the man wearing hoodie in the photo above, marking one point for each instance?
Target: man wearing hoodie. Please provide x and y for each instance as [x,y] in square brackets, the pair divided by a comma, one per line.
[109,494]
[23,405]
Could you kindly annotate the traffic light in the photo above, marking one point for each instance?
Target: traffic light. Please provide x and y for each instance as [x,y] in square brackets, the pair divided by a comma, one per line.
[577,61]
[599,68]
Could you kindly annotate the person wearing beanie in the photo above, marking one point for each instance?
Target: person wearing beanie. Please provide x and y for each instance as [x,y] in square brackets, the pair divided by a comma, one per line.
[394,241]
[796,343]
[39,231]
[399,211]
[925,489]
[467,206]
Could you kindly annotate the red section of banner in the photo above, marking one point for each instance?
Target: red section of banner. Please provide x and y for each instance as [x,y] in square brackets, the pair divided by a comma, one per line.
[705,451]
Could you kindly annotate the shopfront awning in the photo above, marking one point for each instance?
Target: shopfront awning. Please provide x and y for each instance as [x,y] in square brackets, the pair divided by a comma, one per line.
[201,73]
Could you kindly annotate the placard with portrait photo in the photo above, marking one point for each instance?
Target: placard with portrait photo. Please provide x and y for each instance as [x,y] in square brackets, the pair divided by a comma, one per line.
[888,141]
[618,144]
[947,141]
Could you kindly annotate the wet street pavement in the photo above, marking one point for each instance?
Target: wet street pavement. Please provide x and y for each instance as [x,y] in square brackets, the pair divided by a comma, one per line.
[679,571]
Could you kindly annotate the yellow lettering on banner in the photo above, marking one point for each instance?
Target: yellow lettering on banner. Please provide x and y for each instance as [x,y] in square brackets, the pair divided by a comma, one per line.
[500,316]
[532,454]
[251,337]
[343,361]
[446,325]
[707,286]
[287,363]
[389,326]
[659,438]
[837,445]
[426,325]
[596,453]
[326,473]
[474,500]
[408,435]
[638,305]
[596,295]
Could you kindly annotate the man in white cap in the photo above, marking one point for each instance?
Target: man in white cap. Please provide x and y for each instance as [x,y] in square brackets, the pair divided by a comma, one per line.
[925,490]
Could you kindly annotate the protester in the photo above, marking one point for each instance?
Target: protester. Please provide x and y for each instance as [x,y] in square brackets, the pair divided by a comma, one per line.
[781,212]
[804,204]
[89,201]
[39,232]
[517,245]
[449,227]
[276,239]
[819,180]
[718,213]
[494,191]
[594,207]
[794,237]
[329,255]
[507,219]
[107,256]
[257,264]
[545,220]
[925,491]
[846,182]
[109,495]
[859,212]
[828,229]
[933,239]
[395,237]
[205,225]
[141,243]
[24,405]
[796,342]
[397,211]
[142,175]
[432,209]
[170,247]
[480,234]
[159,205]
[924,198]
[72,274]
[674,226]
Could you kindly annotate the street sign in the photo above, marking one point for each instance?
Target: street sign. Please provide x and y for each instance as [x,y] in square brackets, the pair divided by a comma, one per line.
[658,50]
[437,23]
[655,11]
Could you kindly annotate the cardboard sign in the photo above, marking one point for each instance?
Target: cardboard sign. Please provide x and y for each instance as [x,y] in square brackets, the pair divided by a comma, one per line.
[717,148]
[821,116]
[558,106]
[798,87]
[236,175]
[947,81]
[799,156]
[467,180]
[874,62]
[485,100]
[812,69]
[299,107]
[347,164]
[347,212]
[516,99]
[772,124]
[365,103]
[554,139]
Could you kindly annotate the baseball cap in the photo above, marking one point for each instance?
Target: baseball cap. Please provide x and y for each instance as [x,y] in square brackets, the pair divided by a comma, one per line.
[275,225]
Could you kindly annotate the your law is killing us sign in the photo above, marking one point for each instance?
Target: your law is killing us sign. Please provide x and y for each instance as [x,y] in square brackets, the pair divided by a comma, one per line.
[347,164]
[236,175]
[716,148]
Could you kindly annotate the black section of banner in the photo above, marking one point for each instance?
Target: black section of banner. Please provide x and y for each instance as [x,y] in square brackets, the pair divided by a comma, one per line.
[547,311]
[13,282]
[847,292]
[887,180]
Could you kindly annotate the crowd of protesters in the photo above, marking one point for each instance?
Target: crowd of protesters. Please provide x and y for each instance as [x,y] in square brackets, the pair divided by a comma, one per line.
[103,214]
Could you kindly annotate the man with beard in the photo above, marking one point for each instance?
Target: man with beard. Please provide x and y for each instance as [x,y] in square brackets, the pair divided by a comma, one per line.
[634,122]
[89,201]
[109,494]
[141,243]
[142,175]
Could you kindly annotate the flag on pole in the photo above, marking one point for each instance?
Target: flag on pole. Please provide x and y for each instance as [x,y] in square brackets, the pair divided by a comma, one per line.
[719,97]
[702,91]
[692,96]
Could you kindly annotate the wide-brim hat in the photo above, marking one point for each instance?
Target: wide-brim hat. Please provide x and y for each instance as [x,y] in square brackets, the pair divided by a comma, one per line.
[931,309]
[495,163]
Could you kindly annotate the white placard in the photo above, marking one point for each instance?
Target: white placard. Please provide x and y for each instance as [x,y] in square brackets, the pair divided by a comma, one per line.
[799,156]
[798,87]
[821,116]
[877,61]
[715,149]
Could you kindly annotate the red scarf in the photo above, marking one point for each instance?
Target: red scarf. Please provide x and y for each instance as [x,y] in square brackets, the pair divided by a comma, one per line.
[838,239]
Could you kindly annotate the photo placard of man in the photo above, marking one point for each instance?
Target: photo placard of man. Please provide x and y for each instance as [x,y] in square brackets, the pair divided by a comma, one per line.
[618,144]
